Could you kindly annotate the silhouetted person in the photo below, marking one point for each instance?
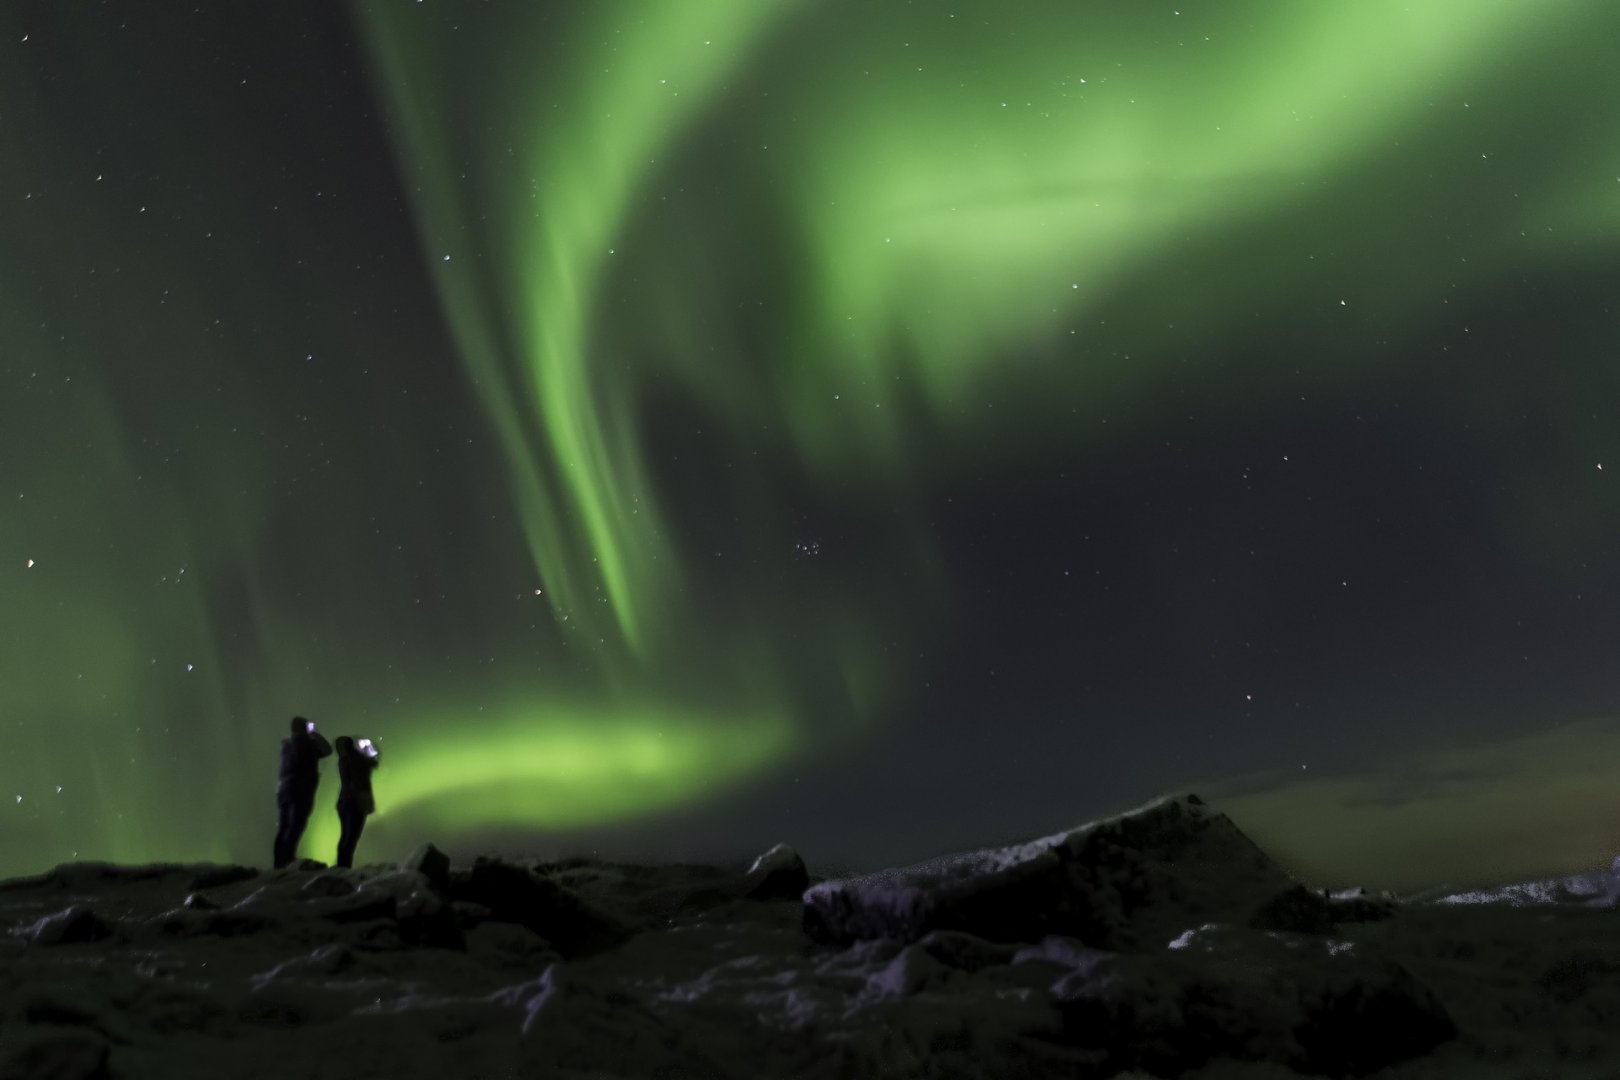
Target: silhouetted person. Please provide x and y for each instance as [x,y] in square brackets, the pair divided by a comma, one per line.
[356,760]
[301,755]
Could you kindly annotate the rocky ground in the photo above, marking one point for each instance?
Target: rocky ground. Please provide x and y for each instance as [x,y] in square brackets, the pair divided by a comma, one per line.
[1158,943]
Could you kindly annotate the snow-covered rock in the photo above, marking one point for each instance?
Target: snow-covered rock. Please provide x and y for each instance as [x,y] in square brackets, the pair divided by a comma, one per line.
[1125,882]
[69,926]
[1594,889]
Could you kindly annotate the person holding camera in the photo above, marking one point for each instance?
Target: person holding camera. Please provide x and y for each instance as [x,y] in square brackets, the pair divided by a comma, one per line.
[356,760]
[301,755]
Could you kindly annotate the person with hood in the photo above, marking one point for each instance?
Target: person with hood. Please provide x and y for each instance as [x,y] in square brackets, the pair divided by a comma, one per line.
[356,760]
[301,755]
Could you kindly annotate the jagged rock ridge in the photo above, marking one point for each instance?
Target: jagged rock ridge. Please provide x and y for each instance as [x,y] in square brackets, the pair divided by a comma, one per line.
[1160,942]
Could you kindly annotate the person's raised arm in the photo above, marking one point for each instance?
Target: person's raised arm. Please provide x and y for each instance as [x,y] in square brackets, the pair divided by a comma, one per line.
[322,747]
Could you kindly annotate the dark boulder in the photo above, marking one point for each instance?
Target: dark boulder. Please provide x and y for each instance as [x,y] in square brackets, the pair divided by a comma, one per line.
[517,894]
[1295,910]
[72,925]
[1357,1022]
[198,920]
[328,885]
[1299,910]
[359,907]
[963,951]
[431,863]
[425,920]
[779,874]
[1306,1004]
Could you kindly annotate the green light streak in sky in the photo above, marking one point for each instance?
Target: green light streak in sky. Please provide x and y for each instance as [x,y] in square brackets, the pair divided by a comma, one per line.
[575,137]
[580,143]
[557,767]
[969,184]
[957,222]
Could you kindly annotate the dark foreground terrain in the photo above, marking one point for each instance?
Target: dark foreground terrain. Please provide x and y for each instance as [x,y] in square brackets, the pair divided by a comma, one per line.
[1158,943]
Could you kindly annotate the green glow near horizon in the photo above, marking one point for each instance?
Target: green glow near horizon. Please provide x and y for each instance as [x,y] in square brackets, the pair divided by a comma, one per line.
[556,768]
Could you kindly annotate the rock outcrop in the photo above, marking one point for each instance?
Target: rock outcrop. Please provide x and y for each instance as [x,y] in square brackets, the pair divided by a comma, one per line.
[1131,881]
[517,894]
[1160,942]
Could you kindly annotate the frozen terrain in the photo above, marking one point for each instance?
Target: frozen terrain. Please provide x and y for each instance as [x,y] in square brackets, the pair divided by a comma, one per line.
[1158,943]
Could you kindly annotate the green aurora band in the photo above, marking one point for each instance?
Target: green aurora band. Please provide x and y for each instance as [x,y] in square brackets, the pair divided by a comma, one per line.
[961,191]
[967,188]
[523,319]
[913,223]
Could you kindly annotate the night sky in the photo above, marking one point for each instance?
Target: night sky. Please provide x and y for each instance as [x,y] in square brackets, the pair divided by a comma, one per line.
[669,428]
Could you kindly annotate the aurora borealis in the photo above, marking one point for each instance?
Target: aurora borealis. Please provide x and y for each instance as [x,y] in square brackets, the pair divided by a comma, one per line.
[881,426]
